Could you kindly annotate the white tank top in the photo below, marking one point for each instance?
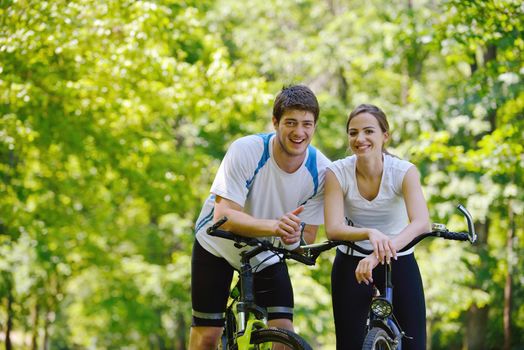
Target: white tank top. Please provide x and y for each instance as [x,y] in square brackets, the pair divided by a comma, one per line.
[387,211]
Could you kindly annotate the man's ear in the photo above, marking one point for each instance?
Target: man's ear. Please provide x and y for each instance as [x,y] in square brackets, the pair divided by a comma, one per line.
[275,122]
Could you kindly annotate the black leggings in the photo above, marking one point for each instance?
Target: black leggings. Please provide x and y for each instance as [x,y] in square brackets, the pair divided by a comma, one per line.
[351,301]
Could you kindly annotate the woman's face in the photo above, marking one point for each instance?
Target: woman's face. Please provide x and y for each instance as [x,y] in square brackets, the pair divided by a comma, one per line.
[366,138]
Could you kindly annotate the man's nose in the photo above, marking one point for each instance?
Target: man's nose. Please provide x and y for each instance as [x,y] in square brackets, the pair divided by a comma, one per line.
[299,129]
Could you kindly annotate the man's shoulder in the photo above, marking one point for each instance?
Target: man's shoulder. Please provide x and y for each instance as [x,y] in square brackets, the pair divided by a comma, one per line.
[255,141]
[321,160]
[250,145]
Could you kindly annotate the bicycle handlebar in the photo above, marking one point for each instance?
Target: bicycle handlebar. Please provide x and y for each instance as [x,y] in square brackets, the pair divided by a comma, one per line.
[261,244]
[438,230]
[308,254]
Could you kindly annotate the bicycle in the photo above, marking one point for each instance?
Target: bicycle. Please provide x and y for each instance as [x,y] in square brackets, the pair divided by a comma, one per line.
[246,322]
[384,332]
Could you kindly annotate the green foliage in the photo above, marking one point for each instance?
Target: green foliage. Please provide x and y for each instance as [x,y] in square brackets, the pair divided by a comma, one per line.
[114,118]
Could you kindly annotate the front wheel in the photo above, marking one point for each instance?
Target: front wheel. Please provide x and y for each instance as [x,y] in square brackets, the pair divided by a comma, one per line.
[276,338]
[378,339]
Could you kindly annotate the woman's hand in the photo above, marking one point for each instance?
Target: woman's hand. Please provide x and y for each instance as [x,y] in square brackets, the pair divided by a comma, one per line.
[363,273]
[382,246]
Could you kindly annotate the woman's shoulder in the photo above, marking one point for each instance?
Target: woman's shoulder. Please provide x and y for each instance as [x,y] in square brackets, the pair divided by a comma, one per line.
[398,164]
[343,162]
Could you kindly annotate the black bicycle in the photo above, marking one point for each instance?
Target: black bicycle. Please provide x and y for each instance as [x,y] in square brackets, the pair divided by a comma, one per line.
[384,332]
[246,322]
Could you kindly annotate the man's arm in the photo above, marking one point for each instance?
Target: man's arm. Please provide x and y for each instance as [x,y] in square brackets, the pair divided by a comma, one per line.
[310,233]
[287,227]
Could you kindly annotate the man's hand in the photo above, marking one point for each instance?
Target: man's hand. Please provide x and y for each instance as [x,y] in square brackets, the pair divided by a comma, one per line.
[288,226]
[383,248]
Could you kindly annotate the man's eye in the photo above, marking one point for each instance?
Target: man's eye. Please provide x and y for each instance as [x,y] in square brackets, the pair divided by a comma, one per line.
[290,123]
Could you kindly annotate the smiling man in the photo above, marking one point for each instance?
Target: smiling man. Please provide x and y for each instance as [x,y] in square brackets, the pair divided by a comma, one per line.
[266,185]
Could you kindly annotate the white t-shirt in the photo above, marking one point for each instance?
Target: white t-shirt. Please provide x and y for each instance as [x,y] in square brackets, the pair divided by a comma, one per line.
[250,177]
[387,211]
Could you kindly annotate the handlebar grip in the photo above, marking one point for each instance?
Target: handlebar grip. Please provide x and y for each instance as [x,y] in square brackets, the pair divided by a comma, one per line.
[220,233]
[301,258]
[456,236]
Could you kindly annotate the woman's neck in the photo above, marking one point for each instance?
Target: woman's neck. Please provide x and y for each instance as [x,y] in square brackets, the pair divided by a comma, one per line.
[370,167]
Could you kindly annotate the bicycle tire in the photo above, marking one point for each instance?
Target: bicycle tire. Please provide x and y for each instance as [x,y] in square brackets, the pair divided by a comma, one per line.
[377,339]
[272,336]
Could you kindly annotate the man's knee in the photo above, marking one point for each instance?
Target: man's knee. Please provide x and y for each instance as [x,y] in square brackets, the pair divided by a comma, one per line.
[281,323]
[202,338]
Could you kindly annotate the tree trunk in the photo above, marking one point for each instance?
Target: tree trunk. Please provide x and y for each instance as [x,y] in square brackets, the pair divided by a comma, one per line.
[343,85]
[508,290]
[476,328]
[477,317]
[8,345]
[47,322]
[34,336]
[181,332]
[429,331]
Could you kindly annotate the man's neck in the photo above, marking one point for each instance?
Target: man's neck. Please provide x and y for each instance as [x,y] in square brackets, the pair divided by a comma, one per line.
[285,161]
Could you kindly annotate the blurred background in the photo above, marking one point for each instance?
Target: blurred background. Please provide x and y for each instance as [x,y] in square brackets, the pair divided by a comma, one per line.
[114,116]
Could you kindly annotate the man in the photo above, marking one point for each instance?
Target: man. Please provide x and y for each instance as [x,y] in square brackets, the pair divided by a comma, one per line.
[266,185]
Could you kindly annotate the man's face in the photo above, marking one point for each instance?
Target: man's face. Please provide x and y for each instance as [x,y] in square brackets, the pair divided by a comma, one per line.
[295,131]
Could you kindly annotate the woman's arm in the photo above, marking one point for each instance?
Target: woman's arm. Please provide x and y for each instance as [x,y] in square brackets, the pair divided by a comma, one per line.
[337,228]
[416,207]
[334,219]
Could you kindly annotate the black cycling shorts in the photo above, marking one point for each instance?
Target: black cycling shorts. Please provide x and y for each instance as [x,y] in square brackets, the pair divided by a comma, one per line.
[211,278]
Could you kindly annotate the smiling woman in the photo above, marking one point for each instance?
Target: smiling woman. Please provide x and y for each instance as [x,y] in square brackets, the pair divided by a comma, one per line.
[382,196]
[366,121]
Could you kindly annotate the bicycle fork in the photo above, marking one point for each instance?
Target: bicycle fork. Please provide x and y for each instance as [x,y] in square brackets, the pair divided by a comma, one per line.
[381,312]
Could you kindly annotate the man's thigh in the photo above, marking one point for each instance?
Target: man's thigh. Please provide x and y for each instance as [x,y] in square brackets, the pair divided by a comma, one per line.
[274,291]
[210,282]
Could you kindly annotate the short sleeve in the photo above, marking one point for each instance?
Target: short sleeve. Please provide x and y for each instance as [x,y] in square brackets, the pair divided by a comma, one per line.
[340,169]
[313,213]
[237,167]
[399,168]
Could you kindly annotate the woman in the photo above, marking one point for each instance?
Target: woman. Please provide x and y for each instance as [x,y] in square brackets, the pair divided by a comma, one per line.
[382,196]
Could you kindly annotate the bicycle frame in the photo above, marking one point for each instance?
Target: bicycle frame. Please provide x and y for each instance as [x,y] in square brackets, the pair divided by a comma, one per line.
[251,319]
[250,315]
[381,309]
[385,321]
